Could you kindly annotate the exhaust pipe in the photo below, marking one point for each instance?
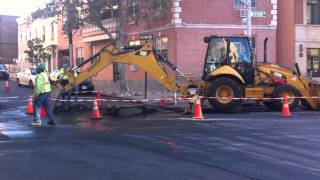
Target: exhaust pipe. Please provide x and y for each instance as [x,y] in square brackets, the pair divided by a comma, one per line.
[297,69]
[265,43]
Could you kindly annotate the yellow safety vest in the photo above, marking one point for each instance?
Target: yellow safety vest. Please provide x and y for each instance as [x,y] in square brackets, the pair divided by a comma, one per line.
[42,84]
[64,76]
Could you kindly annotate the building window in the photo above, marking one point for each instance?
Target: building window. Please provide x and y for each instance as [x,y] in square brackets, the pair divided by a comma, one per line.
[80,58]
[133,7]
[111,12]
[162,46]
[313,62]
[52,31]
[43,33]
[158,4]
[241,3]
[21,37]
[313,12]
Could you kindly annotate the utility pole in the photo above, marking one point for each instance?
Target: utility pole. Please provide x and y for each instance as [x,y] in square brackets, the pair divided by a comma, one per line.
[249,16]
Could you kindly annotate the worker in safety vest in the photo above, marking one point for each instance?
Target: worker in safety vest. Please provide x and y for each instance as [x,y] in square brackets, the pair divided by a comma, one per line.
[64,81]
[42,90]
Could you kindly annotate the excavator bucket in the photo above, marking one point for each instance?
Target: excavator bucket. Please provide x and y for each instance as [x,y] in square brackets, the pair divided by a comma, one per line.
[56,90]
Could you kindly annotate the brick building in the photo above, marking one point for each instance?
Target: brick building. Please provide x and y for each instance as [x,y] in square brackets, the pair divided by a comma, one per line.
[45,29]
[298,39]
[178,32]
[8,39]
[178,29]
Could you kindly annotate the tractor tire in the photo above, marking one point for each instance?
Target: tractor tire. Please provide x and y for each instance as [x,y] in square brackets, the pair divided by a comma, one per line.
[288,91]
[224,87]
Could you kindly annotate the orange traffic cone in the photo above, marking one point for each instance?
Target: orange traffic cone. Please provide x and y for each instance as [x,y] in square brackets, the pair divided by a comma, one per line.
[197,111]
[95,114]
[6,87]
[43,112]
[285,108]
[162,101]
[29,109]
[99,98]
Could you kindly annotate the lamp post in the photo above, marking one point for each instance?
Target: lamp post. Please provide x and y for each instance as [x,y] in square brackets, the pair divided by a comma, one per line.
[249,15]
[248,4]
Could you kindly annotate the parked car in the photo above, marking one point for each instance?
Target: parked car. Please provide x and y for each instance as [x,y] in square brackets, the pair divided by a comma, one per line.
[86,86]
[27,77]
[4,74]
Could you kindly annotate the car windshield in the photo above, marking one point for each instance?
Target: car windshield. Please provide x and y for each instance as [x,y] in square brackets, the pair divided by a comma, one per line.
[33,71]
[2,67]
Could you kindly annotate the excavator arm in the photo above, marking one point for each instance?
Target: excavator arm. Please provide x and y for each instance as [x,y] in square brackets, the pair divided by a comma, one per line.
[142,56]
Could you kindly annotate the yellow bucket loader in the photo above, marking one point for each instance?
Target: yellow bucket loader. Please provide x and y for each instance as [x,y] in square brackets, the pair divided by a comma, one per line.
[229,74]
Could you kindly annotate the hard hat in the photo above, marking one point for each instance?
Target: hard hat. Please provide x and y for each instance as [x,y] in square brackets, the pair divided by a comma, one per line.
[41,67]
[65,66]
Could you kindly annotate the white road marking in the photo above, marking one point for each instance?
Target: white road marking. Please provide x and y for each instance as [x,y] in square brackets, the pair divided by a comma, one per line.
[214,119]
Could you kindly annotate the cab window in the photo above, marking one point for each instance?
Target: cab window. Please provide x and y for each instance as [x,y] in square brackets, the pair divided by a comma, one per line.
[217,51]
[239,50]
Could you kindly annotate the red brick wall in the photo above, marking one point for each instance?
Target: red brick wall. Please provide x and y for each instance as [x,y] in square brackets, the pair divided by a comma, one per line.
[191,49]
[219,12]
[298,11]
[185,44]
[8,37]
[286,33]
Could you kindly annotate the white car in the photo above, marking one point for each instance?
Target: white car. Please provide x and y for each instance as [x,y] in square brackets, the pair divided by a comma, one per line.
[27,77]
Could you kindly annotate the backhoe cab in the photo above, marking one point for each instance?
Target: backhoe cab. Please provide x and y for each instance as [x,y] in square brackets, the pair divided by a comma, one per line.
[230,74]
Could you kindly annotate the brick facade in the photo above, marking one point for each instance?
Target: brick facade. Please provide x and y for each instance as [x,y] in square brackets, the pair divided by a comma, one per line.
[179,34]
[8,37]
[298,40]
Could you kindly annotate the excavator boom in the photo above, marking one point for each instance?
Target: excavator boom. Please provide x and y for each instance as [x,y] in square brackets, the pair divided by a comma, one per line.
[142,56]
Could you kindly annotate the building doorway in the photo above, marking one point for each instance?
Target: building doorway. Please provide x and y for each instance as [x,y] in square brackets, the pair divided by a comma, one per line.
[313,58]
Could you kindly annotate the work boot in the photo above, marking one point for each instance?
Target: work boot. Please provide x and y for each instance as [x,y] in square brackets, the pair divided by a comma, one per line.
[51,123]
[35,123]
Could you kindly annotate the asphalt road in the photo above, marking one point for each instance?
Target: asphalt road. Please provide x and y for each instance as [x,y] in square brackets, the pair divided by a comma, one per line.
[161,145]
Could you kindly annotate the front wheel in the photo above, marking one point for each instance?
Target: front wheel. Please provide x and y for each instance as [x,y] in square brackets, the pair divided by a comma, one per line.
[287,91]
[222,91]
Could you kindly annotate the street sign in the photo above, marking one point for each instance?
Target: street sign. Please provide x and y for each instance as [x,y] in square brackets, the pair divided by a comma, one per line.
[259,14]
[146,37]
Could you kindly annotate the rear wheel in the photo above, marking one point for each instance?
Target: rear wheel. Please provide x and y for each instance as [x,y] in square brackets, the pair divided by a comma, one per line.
[222,91]
[287,91]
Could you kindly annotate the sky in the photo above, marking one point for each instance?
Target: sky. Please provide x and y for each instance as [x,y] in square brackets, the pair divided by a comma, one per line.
[20,7]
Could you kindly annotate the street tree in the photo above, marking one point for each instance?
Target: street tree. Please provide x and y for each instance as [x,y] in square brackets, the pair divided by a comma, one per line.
[77,13]
[36,52]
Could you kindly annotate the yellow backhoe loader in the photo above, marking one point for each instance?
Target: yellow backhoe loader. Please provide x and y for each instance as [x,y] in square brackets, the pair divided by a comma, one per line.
[229,74]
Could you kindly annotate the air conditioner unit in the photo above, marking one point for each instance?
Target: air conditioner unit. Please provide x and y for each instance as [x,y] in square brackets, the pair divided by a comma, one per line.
[243,13]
